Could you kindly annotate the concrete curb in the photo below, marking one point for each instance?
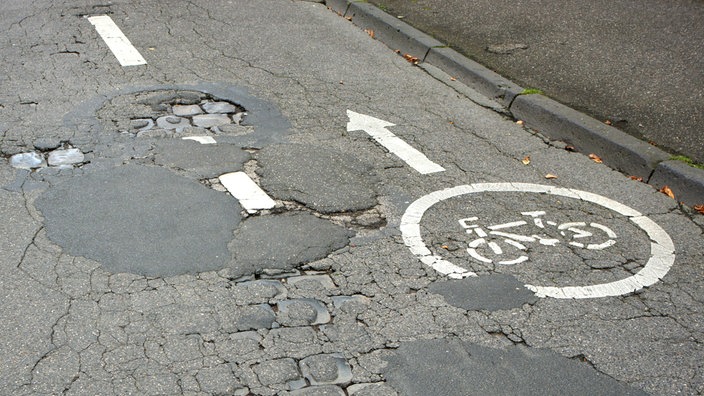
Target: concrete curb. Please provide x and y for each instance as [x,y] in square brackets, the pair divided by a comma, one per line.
[556,121]
[618,150]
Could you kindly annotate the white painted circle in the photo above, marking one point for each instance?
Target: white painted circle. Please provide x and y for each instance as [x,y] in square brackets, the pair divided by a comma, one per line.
[662,250]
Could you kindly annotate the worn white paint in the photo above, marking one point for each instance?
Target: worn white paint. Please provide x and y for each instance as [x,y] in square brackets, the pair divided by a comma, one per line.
[662,250]
[201,139]
[242,187]
[376,128]
[118,43]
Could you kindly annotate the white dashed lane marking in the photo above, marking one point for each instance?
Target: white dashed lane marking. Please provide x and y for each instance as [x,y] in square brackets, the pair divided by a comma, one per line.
[201,139]
[251,197]
[118,43]
[376,128]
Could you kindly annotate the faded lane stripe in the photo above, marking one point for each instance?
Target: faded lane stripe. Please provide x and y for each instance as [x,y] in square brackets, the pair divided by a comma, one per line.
[118,43]
[251,197]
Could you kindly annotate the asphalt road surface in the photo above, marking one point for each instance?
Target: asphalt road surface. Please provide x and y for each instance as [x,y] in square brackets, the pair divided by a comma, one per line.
[257,198]
[636,64]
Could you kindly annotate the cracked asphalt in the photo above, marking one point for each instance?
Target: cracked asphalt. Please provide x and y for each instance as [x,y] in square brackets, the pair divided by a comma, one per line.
[133,270]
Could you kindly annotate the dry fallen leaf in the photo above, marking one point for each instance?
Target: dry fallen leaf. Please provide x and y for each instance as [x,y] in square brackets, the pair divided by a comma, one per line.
[411,58]
[520,122]
[445,247]
[667,191]
[550,176]
[607,122]
[595,158]
[636,178]
[699,208]
[526,160]
[453,79]
[370,32]
[571,148]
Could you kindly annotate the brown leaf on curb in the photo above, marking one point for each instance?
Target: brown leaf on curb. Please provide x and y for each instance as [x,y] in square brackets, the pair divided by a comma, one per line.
[453,79]
[526,160]
[699,208]
[571,149]
[636,178]
[370,32]
[595,158]
[550,176]
[411,58]
[608,122]
[667,191]
[520,122]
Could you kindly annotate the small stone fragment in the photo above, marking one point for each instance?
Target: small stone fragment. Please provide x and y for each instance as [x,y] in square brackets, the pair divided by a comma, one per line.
[210,120]
[237,118]
[142,124]
[172,122]
[326,369]
[278,371]
[66,157]
[186,110]
[46,144]
[219,107]
[29,160]
[302,312]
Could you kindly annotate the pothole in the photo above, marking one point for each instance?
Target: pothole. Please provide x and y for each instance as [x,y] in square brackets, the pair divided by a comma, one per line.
[173,113]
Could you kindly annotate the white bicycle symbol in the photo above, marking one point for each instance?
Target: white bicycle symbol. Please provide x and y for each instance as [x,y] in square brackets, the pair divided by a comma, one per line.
[662,250]
[573,231]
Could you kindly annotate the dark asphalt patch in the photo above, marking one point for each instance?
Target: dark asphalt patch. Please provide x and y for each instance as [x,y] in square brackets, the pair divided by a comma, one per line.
[324,180]
[284,242]
[200,160]
[451,367]
[492,292]
[144,220]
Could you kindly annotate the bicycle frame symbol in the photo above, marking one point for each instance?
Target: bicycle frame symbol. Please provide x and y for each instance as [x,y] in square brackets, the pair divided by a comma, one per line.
[575,232]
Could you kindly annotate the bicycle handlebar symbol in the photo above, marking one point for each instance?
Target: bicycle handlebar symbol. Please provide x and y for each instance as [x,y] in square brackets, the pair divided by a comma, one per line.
[498,241]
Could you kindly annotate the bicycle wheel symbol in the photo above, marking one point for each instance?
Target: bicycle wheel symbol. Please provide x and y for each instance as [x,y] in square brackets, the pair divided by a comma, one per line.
[662,249]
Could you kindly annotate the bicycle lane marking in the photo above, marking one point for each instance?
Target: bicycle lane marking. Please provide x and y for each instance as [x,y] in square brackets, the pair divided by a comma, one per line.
[662,249]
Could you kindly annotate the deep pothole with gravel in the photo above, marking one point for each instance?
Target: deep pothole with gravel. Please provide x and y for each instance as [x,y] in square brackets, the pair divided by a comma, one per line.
[173,113]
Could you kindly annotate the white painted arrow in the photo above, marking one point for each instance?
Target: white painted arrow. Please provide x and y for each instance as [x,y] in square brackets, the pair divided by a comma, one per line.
[376,128]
